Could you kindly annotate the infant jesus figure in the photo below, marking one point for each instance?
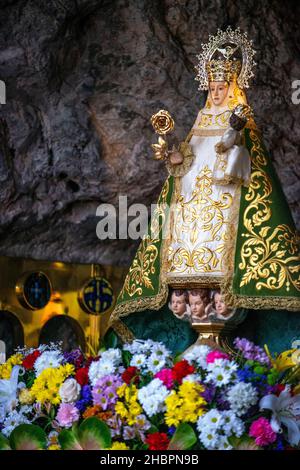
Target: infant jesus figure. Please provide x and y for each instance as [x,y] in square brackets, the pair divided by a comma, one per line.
[199,300]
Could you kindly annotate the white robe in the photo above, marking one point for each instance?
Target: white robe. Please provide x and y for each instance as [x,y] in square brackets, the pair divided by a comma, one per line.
[200,216]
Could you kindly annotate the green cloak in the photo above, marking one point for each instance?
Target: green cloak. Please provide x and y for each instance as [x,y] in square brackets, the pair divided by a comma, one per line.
[263,251]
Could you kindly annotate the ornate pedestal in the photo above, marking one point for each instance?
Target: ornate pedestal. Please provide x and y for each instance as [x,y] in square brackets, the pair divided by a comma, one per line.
[214,334]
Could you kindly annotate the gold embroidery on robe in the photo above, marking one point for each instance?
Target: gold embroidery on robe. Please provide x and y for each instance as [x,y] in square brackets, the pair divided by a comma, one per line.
[268,254]
[201,213]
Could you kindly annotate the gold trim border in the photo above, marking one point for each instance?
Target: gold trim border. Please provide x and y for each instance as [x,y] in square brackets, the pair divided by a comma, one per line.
[237,300]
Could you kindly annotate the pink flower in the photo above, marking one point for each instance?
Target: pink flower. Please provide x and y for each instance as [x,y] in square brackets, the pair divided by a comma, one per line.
[213,355]
[166,376]
[67,414]
[262,431]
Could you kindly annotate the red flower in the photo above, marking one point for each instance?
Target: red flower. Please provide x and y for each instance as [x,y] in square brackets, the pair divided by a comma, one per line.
[157,441]
[28,361]
[181,370]
[82,376]
[129,374]
[278,389]
[91,359]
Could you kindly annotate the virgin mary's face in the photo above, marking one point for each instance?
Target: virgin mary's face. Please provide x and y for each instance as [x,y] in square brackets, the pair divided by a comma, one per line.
[218,92]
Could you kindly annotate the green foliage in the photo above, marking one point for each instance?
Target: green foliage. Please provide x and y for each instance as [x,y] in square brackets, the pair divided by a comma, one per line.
[91,434]
[28,437]
[184,438]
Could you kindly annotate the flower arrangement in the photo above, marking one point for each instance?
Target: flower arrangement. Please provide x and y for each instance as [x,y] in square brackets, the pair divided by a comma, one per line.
[140,397]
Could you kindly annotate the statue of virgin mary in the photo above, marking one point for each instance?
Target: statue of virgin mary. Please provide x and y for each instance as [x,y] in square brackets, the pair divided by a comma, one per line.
[222,221]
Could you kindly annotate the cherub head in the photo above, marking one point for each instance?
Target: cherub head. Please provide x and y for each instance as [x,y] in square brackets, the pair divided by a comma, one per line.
[219,305]
[198,300]
[179,300]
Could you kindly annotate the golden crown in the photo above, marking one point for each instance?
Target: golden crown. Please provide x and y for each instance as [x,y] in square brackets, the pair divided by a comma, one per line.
[223,70]
[227,56]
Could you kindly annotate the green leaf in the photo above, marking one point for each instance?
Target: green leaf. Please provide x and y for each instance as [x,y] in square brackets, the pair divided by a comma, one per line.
[28,437]
[243,443]
[4,443]
[184,438]
[68,441]
[126,357]
[178,357]
[94,434]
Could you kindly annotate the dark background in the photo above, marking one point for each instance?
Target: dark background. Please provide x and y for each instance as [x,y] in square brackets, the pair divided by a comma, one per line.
[83,78]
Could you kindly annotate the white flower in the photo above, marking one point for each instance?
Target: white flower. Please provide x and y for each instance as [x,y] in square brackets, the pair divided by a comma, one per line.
[241,397]
[209,439]
[46,360]
[155,363]
[160,350]
[138,346]
[3,413]
[112,355]
[69,391]
[152,397]
[197,354]
[149,344]
[231,424]
[219,377]
[221,372]
[13,419]
[223,443]
[9,388]
[215,427]
[286,411]
[192,378]
[211,420]
[99,369]
[138,360]
[225,364]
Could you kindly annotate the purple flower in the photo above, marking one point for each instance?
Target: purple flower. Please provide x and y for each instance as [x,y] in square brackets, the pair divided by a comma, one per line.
[104,392]
[222,404]
[67,415]
[251,351]
[81,405]
[86,398]
[115,425]
[172,430]
[86,393]
[129,433]
[209,392]
[74,357]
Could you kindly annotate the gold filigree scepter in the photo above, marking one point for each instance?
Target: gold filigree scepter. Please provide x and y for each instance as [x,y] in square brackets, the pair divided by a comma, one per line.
[162,123]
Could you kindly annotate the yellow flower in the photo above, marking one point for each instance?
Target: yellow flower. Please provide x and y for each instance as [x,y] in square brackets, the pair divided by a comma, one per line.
[54,447]
[6,368]
[128,407]
[121,390]
[119,446]
[186,405]
[46,386]
[121,409]
[25,397]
